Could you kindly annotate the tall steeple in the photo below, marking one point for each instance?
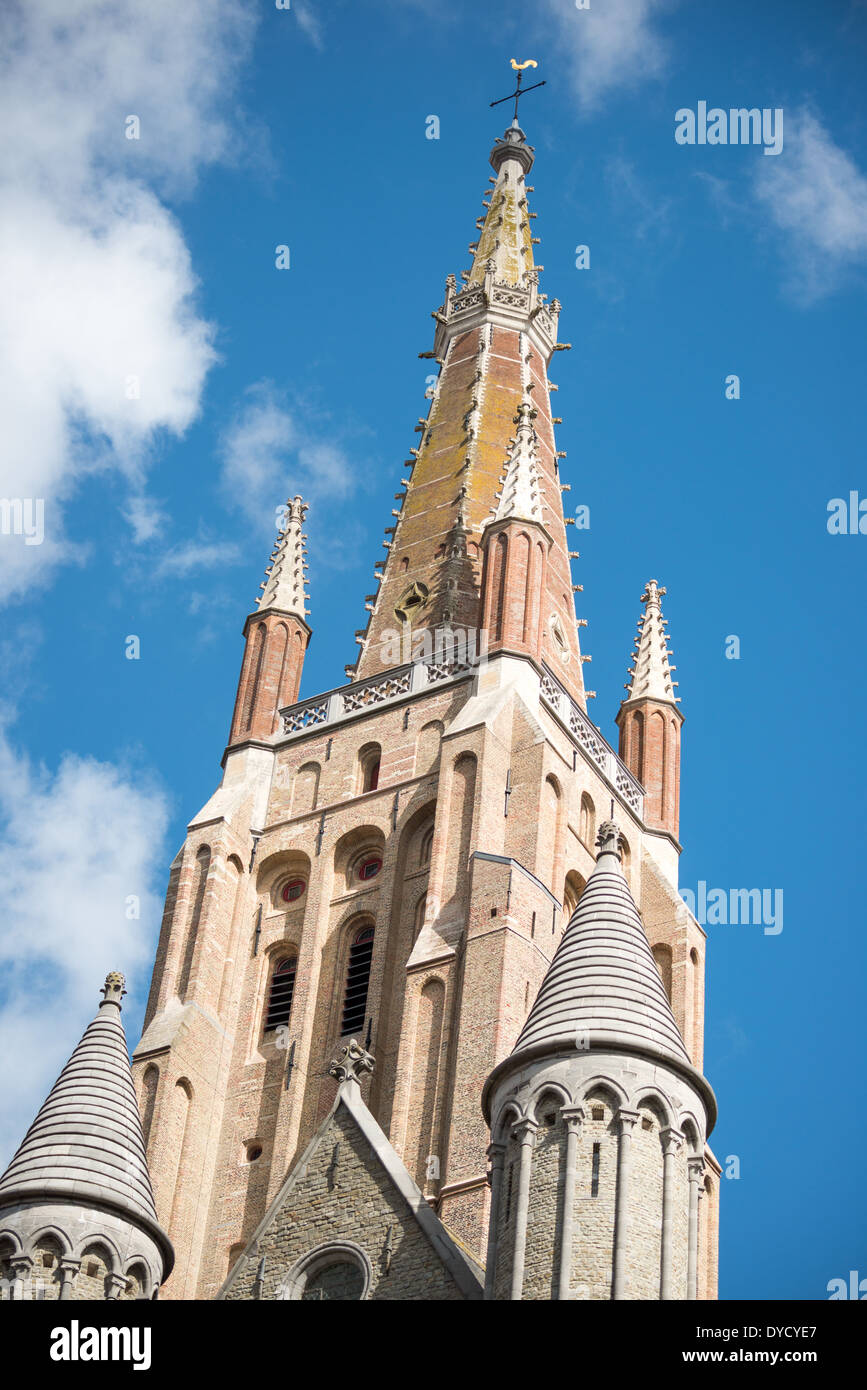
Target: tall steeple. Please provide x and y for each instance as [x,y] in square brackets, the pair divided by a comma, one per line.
[81,1166]
[649,719]
[493,341]
[277,635]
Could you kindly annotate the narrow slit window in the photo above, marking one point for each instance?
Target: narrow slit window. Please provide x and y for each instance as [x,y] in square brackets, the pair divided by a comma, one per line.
[280,997]
[357,981]
[594,1171]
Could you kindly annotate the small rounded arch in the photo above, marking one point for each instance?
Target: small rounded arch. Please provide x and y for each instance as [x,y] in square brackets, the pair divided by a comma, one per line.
[305,788]
[427,749]
[625,856]
[663,957]
[694,956]
[509,1114]
[605,1090]
[138,1279]
[369,757]
[418,916]
[46,1237]
[277,869]
[100,1247]
[572,890]
[10,1244]
[149,1086]
[692,1133]
[338,1271]
[650,1098]
[549,1094]
[351,850]
[587,821]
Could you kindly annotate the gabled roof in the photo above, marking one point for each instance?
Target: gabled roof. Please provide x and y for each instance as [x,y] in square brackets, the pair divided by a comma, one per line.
[467,1275]
[86,1143]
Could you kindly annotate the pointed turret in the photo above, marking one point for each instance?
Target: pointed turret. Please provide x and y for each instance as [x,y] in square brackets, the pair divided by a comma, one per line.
[504,250]
[649,719]
[516,545]
[285,577]
[493,341]
[603,983]
[598,1120]
[81,1167]
[277,635]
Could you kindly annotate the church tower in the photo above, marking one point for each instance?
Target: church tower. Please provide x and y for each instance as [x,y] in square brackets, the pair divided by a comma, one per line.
[394,860]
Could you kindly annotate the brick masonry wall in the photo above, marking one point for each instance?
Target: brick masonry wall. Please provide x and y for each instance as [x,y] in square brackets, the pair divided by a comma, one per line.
[345,1194]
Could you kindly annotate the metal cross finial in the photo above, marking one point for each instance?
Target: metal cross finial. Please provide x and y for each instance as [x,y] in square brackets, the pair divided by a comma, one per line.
[519,91]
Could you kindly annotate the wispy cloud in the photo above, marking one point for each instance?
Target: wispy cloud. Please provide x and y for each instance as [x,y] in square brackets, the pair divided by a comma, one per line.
[815,196]
[77,847]
[270,451]
[613,43]
[191,557]
[102,346]
[310,21]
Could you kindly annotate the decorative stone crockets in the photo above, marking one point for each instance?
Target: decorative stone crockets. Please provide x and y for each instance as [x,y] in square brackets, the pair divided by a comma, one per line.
[649,719]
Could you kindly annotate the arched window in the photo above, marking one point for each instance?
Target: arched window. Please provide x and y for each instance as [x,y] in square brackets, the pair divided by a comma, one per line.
[338,1272]
[280,996]
[425,848]
[357,981]
[663,958]
[368,765]
[587,823]
[369,867]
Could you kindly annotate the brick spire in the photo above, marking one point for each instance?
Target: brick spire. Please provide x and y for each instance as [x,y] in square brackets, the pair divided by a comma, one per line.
[649,719]
[493,341]
[276,635]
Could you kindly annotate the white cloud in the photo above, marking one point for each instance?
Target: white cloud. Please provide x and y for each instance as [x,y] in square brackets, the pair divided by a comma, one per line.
[612,44]
[101,344]
[190,557]
[816,198]
[74,846]
[309,22]
[269,456]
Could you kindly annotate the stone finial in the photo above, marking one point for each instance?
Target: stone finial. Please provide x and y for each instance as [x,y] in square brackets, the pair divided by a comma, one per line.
[352,1064]
[609,838]
[114,988]
[285,576]
[650,673]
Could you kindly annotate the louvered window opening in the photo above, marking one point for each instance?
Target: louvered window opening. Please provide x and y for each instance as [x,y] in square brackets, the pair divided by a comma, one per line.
[357,981]
[280,998]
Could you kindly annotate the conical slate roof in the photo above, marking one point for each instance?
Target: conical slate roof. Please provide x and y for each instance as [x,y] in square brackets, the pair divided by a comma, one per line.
[86,1143]
[603,986]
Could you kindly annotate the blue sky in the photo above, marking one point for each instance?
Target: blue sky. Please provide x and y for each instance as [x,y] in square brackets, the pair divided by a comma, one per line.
[154,259]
